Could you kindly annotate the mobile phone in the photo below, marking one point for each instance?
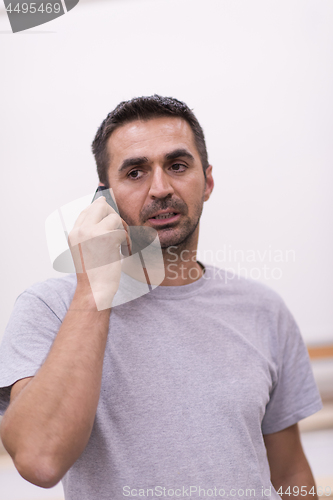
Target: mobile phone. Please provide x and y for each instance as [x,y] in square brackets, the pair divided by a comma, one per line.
[140,236]
[105,191]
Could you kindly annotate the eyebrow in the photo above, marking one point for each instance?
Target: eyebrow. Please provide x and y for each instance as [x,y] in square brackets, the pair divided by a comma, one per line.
[133,162]
[179,153]
[141,160]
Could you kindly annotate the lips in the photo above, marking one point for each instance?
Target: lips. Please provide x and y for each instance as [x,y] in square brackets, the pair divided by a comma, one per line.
[165,217]
[161,214]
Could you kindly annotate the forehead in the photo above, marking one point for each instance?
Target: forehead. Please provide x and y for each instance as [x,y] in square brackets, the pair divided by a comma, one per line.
[156,136]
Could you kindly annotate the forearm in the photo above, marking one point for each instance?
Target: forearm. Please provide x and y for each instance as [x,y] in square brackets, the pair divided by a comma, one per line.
[47,426]
[300,485]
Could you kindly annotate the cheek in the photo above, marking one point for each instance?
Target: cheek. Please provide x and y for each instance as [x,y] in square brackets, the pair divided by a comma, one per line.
[195,194]
[129,209]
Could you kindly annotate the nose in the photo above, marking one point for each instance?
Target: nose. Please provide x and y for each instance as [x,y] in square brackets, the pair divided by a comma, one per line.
[160,184]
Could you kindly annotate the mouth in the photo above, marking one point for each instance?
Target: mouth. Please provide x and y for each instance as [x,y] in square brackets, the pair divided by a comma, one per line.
[164,218]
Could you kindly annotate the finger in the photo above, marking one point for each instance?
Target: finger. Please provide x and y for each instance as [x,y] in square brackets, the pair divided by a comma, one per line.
[126,246]
[97,211]
[81,218]
[125,225]
[108,224]
[100,250]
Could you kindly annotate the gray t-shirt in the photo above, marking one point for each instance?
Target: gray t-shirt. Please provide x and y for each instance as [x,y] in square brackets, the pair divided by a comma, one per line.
[193,377]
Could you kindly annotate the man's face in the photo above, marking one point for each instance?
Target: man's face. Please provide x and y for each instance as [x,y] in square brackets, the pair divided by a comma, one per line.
[155,171]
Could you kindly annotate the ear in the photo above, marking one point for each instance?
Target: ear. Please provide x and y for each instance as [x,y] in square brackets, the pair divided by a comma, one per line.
[209,183]
[101,184]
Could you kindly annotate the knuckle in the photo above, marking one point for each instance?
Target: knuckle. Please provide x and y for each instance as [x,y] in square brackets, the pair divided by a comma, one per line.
[113,221]
[72,236]
[77,235]
[117,219]
[80,233]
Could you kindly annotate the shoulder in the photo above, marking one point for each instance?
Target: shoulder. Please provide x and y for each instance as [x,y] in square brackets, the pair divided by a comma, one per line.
[260,305]
[55,293]
[62,285]
[233,285]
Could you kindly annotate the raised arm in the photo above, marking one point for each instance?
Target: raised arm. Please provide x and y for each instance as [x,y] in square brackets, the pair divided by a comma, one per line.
[50,417]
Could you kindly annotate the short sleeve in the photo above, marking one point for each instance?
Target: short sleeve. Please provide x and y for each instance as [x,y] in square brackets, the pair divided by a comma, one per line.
[295,395]
[27,340]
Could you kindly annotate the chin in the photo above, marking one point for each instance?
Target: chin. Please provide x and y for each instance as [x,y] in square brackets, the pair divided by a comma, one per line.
[181,239]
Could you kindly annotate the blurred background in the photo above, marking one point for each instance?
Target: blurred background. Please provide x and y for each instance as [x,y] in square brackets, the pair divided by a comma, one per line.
[258,75]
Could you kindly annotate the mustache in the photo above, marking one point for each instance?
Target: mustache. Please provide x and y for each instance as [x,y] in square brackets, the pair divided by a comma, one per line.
[173,206]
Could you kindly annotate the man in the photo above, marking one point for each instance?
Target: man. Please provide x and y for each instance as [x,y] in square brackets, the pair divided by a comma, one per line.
[194,389]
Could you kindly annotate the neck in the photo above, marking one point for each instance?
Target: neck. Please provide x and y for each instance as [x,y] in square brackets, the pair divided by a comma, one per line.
[181,266]
[179,261]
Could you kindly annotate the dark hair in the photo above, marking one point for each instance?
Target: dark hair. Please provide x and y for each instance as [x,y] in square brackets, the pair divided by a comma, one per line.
[144,108]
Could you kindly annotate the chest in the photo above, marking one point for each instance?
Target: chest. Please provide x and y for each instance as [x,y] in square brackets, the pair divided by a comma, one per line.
[189,370]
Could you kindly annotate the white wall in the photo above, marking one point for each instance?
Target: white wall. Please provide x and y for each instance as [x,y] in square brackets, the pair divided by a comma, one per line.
[258,75]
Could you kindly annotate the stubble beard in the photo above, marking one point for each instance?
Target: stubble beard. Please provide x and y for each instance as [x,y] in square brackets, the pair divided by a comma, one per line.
[180,236]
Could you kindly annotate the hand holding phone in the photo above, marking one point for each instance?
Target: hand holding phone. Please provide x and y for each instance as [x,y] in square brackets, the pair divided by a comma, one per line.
[95,242]
[108,195]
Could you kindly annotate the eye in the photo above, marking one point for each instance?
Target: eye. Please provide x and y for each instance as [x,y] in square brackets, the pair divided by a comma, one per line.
[134,174]
[178,167]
